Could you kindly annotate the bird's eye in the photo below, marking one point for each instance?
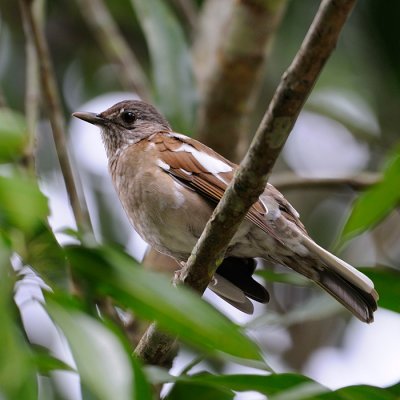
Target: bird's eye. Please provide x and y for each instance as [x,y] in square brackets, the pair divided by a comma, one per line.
[128,117]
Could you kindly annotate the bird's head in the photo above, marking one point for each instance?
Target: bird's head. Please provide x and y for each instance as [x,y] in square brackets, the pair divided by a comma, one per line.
[125,123]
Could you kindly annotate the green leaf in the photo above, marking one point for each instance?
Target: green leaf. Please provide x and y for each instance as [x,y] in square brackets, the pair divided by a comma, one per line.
[177,310]
[13,135]
[269,385]
[157,375]
[22,204]
[376,202]
[183,390]
[387,284]
[102,362]
[170,61]
[17,371]
[142,388]
[316,308]
[44,254]
[361,392]
[283,277]
[47,363]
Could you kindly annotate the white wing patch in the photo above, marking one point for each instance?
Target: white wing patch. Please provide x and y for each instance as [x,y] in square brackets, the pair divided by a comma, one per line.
[266,208]
[185,172]
[209,163]
[219,177]
[163,165]
[178,135]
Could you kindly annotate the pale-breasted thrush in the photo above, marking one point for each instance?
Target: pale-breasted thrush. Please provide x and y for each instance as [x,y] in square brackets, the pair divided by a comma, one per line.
[169,185]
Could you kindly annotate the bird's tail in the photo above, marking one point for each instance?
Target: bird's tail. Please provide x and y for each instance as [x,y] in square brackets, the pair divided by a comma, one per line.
[345,283]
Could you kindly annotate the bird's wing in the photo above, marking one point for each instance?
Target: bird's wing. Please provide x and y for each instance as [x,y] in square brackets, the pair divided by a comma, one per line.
[203,170]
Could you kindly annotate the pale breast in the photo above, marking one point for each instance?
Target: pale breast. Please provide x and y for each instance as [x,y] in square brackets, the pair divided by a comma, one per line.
[166,214]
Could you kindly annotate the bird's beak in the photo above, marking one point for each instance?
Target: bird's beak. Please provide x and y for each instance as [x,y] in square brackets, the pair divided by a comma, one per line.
[92,118]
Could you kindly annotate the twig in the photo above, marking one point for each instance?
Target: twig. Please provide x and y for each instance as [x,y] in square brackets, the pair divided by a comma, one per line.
[189,11]
[2,100]
[51,96]
[155,347]
[290,181]
[254,171]
[32,92]
[237,65]
[115,46]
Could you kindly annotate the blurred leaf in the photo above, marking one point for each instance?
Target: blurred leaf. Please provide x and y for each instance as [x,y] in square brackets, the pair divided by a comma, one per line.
[157,375]
[44,254]
[376,202]
[22,204]
[387,284]
[170,61]
[47,363]
[142,388]
[283,277]
[183,390]
[316,308]
[102,362]
[289,386]
[177,310]
[361,392]
[266,384]
[13,135]
[17,372]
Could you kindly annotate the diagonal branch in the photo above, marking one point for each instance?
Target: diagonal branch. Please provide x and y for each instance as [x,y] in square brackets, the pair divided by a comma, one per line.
[32,92]
[51,96]
[189,11]
[2,100]
[253,173]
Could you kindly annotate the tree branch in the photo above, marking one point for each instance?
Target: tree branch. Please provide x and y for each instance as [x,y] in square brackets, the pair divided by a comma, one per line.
[155,347]
[32,92]
[236,69]
[188,9]
[254,171]
[115,46]
[3,102]
[54,110]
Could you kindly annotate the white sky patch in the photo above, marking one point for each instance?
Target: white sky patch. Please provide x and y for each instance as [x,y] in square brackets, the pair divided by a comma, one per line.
[209,163]
[368,355]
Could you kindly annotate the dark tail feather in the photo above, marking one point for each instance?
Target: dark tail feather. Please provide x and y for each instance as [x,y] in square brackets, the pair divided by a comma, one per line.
[344,282]
[356,300]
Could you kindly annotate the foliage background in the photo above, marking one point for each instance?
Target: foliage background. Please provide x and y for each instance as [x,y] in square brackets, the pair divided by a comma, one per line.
[349,127]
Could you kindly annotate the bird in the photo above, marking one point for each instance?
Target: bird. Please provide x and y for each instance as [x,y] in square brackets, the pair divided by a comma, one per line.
[169,185]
